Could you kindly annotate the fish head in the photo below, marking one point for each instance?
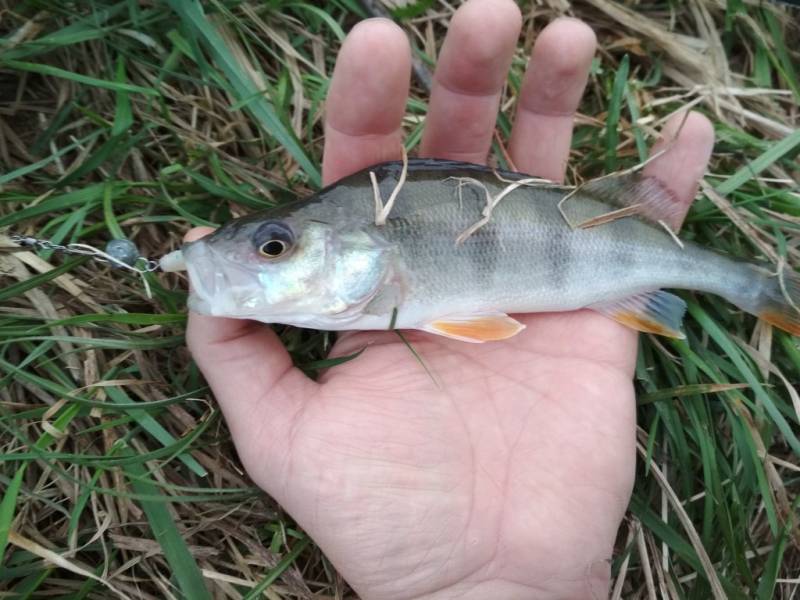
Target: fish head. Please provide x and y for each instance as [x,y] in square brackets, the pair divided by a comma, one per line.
[288,269]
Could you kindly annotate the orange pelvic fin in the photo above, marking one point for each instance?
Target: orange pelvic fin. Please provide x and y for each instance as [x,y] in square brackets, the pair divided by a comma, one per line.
[476,328]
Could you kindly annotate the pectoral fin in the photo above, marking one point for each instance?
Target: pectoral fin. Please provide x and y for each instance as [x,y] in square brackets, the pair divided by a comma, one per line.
[387,299]
[656,312]
[486,327]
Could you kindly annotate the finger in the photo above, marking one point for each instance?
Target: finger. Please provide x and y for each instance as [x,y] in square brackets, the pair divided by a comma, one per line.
[251,374]
[367,99]
[551,91]
[469,79]
[196,233]
[682,166]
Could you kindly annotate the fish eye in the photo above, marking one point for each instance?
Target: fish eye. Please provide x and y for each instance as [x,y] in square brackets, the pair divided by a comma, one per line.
[273,239]
[273,248]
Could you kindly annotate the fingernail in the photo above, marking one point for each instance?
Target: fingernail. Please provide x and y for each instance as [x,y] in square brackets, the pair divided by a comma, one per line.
[371,21]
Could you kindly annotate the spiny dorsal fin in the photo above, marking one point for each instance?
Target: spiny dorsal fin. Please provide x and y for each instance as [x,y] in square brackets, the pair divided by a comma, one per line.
[652,199]
[485,327]
[656,312]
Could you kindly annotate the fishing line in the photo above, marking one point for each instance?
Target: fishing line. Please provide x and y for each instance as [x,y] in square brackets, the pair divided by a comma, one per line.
[118,254]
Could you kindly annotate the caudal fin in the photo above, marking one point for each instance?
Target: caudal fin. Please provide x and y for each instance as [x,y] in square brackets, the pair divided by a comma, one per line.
[779,303]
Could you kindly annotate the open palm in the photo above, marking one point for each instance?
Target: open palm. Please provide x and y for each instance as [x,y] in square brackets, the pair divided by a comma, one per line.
[499,470]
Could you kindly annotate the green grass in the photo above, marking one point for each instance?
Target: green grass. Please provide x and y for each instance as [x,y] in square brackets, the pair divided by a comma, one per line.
[122,118]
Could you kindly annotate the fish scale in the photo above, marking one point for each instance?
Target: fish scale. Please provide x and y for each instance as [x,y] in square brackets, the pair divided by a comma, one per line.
[510,262]
[337,269]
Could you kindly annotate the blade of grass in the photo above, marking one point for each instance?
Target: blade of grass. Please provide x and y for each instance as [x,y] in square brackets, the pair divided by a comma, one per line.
[23,286]
[783,60]
[108,214]
[614,111]
[58,560]
[7,509]
[775,152]
[184,568]
[192,15]
[123,116]
[82,30]
[688,390]
[734,353]
[154,428]
[33,167]
[638,136]
[122,344]
[276,571]
[772,568]
[28,586]
[322,15]
[52,71]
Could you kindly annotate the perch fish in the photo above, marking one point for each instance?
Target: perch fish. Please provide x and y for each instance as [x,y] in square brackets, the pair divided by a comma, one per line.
[445,261]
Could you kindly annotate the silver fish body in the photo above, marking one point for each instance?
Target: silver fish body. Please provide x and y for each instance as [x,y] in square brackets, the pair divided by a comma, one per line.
[341,270]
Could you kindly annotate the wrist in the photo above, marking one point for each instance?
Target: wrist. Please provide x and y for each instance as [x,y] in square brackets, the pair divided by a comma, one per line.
[494,589]
[595,584]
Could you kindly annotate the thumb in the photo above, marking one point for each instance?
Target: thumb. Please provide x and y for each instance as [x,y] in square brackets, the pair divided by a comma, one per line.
[251,374]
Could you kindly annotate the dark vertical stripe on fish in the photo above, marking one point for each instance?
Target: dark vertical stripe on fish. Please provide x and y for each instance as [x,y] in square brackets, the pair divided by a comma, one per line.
[558,253]
[484,249]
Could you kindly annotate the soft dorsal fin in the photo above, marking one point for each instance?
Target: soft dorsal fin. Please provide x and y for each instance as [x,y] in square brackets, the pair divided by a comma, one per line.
[652,199]
[477,328]
[656,312]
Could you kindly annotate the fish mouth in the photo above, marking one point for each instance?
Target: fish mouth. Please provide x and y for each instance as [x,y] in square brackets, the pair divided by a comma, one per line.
[218,287]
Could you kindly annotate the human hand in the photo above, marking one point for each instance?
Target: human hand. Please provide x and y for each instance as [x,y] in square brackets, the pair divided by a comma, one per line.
[511,479]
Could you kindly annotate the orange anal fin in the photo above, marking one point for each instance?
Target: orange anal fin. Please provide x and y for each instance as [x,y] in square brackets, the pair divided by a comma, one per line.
[476,328]
[640,323]
[656,312]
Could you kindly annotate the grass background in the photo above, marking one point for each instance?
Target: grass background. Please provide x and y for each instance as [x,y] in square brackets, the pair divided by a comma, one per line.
[139,119]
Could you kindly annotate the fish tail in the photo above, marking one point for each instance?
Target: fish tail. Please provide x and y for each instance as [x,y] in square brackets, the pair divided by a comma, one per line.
[777,300]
